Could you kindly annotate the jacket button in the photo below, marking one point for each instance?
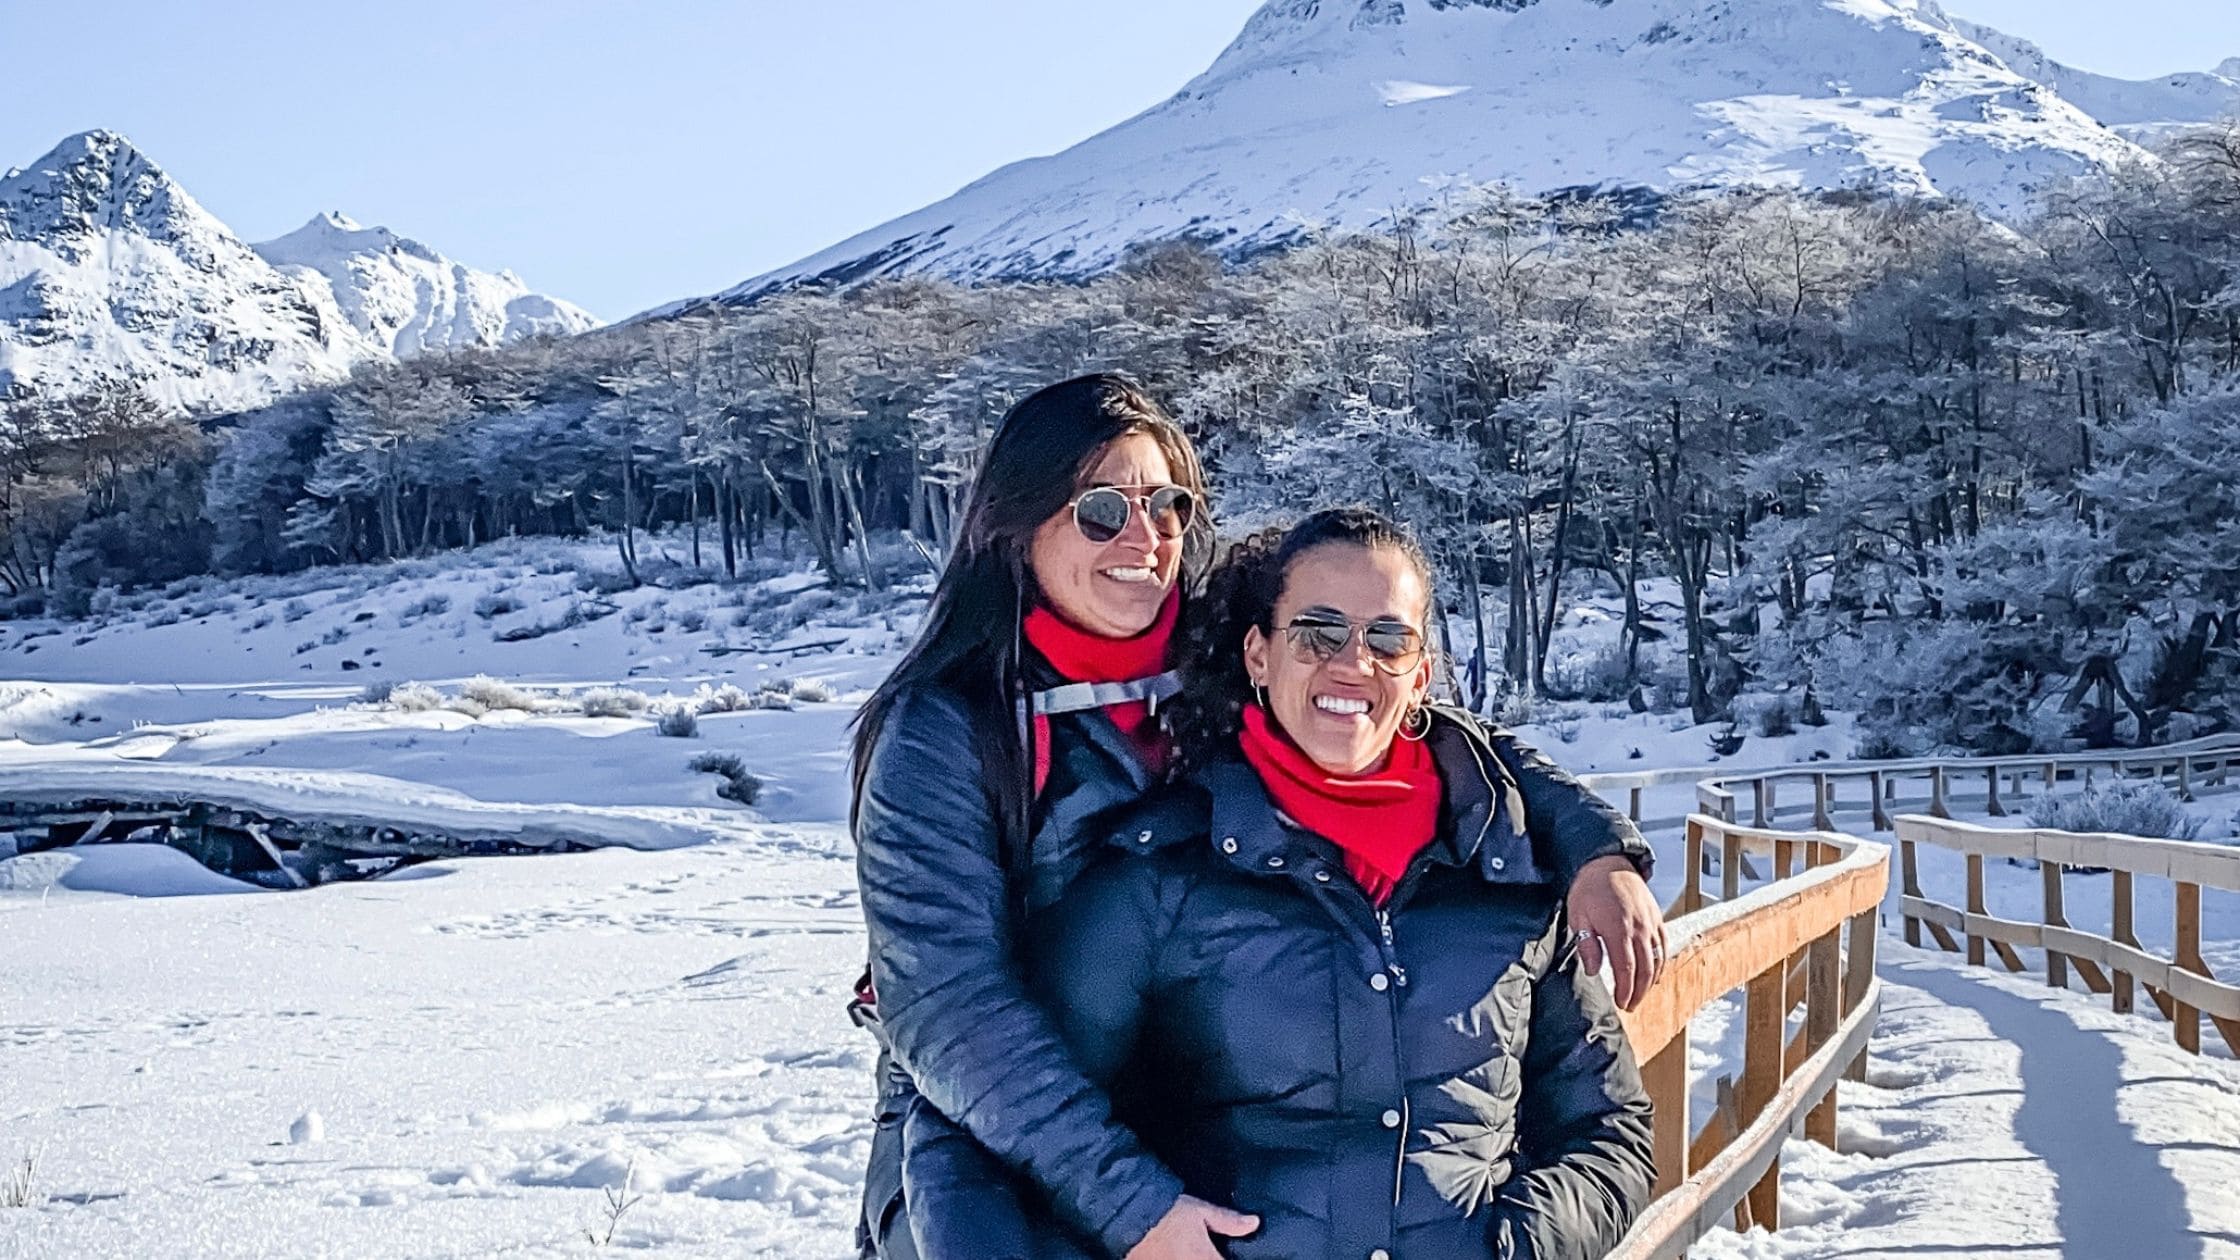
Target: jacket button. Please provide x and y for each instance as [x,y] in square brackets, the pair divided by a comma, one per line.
[1380,1254]
[1498,864]
[1143,838]
[1275,864]
[1322,876]
[1391,1119]
[1378,982]
[1228,844]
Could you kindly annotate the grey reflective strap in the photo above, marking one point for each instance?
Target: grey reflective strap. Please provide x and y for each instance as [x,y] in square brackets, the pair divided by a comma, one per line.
[1081,697]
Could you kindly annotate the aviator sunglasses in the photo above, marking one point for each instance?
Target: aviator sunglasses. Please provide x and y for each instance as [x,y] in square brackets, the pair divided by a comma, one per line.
[1321,633]
[1101,514]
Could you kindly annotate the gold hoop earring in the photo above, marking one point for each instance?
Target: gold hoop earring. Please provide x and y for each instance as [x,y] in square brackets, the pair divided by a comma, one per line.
[1416,726]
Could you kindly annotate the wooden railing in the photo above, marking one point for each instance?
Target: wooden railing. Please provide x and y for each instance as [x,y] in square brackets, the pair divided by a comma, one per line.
[1807,938]
[1723,796]
[2182,987]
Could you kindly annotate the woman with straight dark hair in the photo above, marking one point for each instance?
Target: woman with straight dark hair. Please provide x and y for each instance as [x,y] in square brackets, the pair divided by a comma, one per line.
[1028,706]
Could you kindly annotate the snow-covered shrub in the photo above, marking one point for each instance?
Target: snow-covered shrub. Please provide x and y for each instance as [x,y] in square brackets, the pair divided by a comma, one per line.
[1515,709]
[1881,743]
[768,699]
[813,691]
[604,581]
[692,621]
[738,785]
[612,702]
[413,697]
[725,699]
[294,610]
[378,691]
[679,722]
[1566,730]
[1771,715]
[492,606]
[428,607]
[2141,808]
[1596,676]
[334,635]
[492,694]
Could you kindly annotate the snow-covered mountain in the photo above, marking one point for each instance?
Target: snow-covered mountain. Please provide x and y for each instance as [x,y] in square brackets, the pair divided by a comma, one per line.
[109,269]
[1339,112]
[408,298]
[2139,108]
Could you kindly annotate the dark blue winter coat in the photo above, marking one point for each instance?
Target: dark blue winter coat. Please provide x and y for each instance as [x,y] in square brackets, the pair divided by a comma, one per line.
[946,937]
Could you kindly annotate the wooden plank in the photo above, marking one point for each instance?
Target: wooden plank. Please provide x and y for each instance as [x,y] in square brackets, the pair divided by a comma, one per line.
[1975,906]
[1823,1011]
[1858,977]
[1879,802]
[1763,1071]
[2121,911]
[1911,886]
[1665,1076]
[1730,866]
[1992,804]
[2187,1018]
[1691,893]
[2057,963]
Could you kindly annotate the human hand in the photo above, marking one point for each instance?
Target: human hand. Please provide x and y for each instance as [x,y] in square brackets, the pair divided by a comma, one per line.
[1188,1229]
[1614,914]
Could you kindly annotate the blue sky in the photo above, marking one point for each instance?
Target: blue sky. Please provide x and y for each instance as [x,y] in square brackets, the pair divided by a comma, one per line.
[622,155]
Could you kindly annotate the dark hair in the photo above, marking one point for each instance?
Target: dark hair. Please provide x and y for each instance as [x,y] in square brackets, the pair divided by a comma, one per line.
[969,641]
[1242,592]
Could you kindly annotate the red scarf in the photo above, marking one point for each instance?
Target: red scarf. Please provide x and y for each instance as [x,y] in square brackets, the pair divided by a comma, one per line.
[1380,820]
[1082,657]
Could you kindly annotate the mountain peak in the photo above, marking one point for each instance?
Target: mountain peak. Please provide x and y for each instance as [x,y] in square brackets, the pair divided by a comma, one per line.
[96,181]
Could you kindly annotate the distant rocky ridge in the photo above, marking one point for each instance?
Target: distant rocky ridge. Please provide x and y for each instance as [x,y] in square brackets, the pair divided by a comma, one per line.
[109,270]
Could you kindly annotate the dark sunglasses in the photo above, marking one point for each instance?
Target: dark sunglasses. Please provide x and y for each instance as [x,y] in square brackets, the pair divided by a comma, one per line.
[1102,514]
[1394,646]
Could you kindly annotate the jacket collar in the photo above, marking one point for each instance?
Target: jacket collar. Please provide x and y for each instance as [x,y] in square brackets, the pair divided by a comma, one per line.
[1482,821]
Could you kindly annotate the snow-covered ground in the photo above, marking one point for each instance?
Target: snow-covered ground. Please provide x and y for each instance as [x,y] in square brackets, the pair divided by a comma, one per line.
[471,1057]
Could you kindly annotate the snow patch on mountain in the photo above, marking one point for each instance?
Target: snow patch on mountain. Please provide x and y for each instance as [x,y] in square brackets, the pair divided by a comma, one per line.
[1300,123]
[109,270]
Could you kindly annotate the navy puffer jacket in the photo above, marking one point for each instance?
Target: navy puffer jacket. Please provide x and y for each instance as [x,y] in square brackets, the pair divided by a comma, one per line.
[946,950]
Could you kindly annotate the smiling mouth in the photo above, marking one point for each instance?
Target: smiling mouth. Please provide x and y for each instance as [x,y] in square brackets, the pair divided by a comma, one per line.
[1342,706]
[1133,574]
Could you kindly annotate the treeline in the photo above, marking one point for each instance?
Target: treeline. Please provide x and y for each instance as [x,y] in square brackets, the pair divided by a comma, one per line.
[1882,453]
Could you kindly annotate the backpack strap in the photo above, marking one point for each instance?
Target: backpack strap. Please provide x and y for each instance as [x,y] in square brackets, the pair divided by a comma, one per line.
[1082,697]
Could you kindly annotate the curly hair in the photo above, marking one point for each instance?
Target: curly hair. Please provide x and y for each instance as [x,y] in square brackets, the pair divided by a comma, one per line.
[1241,592]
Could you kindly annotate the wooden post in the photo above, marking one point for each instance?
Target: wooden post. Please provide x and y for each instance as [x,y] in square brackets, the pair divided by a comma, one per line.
[1691,894]
[1823,1010]
[1975,906]
[1726,810]
[1858,975]
[1730,866]
[2053,776]
[1992,805]
[2119,893]
[1909,865]
[1763,1019]
[2057,963]
[1937,807]
[1665,1076]
[2188,955]
[2185,778]
[1761,801]
[1823,800]
[1633,809]
[1875,794]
